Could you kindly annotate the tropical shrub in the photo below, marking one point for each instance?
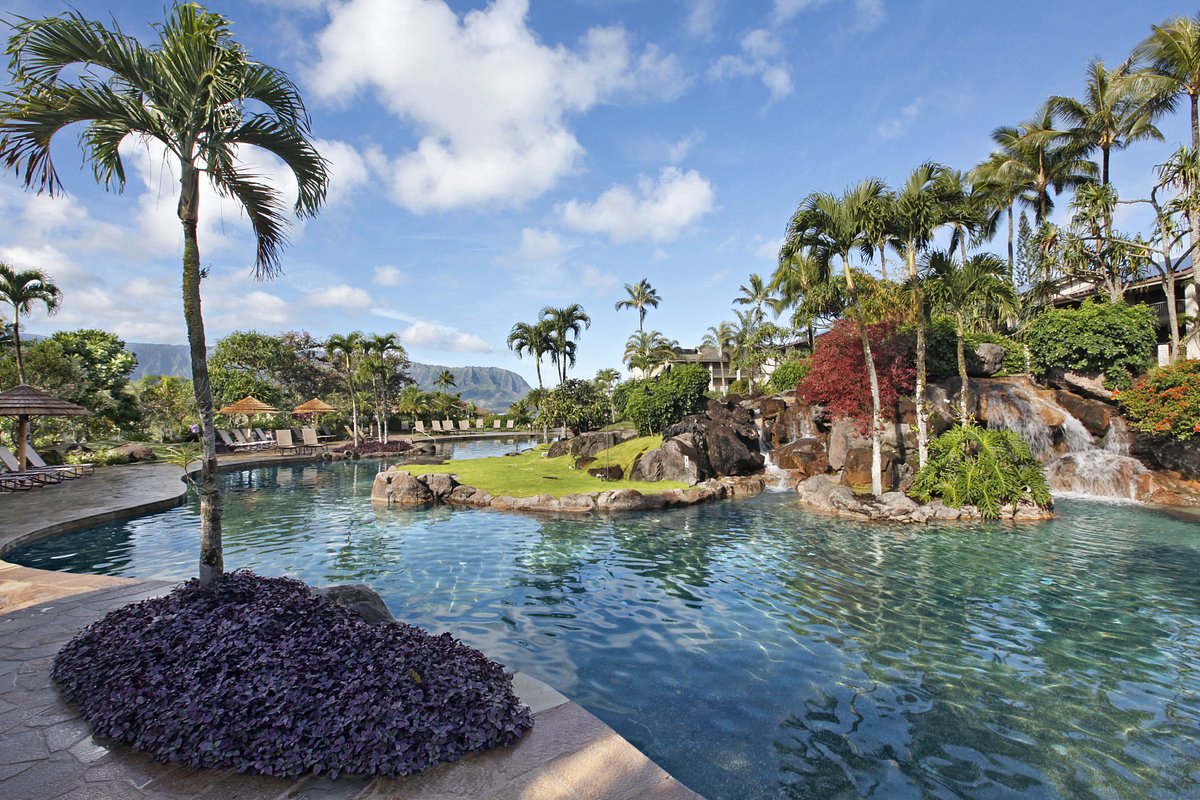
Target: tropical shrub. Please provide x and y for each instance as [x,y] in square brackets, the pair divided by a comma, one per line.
[740,387]
[838,378]
[789,373]
[941,356]
[580,405]
[1166,401]
[260,675]
[1112,338]
[661,402]
[989,469]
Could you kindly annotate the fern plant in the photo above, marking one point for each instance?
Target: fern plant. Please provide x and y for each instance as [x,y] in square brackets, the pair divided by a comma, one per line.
[988,469]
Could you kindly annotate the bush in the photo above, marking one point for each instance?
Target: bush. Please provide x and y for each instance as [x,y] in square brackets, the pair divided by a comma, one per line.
[580,405]
[985,468]
[838,379]
[661,402]
[1112,338]
[941,355]
[261,676]
[1166,401]
[789,373]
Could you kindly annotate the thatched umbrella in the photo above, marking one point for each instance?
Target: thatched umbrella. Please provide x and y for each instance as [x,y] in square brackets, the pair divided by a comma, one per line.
[24,402]
[316,406]
[248,405]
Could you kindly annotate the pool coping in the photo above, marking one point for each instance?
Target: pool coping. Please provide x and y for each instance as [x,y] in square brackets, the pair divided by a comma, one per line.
[41,609]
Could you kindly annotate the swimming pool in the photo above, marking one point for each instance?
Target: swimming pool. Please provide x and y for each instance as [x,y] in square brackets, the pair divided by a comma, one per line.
[757,651]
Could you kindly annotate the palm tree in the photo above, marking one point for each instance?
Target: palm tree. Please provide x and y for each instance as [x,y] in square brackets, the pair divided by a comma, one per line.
[563,322]
[533,338]
[721,337]
[641,294]
[999,182]
[971,294]
[445,381]
[747,339]
[831,228]
[646,350]
[377,348]
[21,290]
[917,211]
[412,400]
[755,294]
[193,92]
[1116,110]
[349,346]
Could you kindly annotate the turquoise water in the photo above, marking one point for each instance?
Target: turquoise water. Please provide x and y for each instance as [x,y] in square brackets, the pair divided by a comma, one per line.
[757,651]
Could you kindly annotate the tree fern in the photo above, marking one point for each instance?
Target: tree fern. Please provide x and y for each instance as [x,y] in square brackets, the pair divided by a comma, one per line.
[988,469]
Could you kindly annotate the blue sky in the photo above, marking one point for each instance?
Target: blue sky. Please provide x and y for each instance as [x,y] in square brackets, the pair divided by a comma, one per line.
[491,158]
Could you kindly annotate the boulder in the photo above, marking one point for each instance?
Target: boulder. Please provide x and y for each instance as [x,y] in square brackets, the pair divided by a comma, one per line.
[843,436]
[986,360]
[1091,386]
[401,488]
[807,456]
[612,472]
[360,599]
[131,453]
[857,469]
[589,444]
[1166,453]
[724,446]
[628,500]
[677,459]
[577,503]
[440,485]
[770,408]
[1093,414]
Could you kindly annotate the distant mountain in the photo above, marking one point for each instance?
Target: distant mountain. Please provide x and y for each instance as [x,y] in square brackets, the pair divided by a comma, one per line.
[490,387]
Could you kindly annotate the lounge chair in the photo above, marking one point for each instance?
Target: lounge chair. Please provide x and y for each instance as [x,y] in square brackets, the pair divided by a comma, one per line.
[496,424]
[448,425]
[13,470]
[15,482]
[479,424]
[436,425]
[309,437]
[464,425]
[261,437]
[243,439]
[284,445]
[227,439]
[34,459]
[510,424]
[419,426]
[405,426]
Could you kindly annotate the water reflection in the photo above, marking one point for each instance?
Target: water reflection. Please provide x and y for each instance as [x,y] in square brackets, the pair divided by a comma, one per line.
[756,651]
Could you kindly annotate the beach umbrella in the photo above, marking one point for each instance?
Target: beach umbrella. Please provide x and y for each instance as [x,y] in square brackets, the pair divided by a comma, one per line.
[24,402]
[248,405]
[315,407]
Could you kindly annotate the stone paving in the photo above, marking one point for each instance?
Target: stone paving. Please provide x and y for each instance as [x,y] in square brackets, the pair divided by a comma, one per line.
[48,753]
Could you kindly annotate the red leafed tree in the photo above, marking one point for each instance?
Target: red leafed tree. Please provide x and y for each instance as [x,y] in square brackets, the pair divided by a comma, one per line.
[838,378]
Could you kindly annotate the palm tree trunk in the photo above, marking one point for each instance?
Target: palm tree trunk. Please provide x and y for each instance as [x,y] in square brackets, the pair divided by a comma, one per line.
[212,561]
[537,364]
[16,326]
[1011,261]
[1172,311]
[873,378]
[1191,294]
[963,378]
[919,392]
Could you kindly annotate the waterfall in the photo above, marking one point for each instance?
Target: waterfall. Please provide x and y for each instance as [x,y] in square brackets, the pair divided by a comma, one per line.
[1075,462]
[776,479]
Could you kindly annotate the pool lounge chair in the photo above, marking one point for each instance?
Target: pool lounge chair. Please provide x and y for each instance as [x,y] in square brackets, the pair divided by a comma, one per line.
[448,425]
[436,425]
[266,441]
[284,445]
[496,424]
[14,482]
[227,439]
[419,427]
[13,470]
[35,460]
[464,425]
[510,424]
[309,437]
[479,424]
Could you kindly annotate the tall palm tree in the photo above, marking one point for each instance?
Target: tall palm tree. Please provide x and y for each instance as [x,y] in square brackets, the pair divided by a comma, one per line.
[1171,59]
[565,325]
[1000,181]
[755,292]
[445,381]
[641,294]
[198,93]
[412,400]
[918,210]
[21,289]
[377,348]
[349,347]
[534,338]
[832,228]
[970,293]
[646,350]
[1115,111]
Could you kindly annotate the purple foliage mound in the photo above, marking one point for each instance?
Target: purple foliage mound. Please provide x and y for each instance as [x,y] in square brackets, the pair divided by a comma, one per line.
[259,675]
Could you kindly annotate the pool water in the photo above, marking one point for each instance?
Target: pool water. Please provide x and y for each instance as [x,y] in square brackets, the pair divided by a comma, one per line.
[757,651]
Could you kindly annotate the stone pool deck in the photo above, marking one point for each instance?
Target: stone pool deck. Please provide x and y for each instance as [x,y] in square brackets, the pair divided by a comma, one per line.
[48,753]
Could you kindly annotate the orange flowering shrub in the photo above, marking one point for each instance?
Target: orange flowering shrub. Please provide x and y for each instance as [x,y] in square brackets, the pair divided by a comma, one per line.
[1165,401]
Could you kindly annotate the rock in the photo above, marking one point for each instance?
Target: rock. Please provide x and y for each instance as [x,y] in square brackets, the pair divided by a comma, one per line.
[857,469]
[897,504]
[131,453]
[360,599]
[401,488]
[469,496]
[677,459]
[1091,386]
[798,421]
[628,500]
[589,444]
[987,360]
[844,435]
[723,446]
[1093,414]
[807,456]
[612,472]
[1167,453]
[440,484]
[577,503]
[770,408]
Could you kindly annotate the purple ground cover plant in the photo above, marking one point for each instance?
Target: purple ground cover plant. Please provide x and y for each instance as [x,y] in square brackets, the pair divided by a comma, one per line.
[261,676]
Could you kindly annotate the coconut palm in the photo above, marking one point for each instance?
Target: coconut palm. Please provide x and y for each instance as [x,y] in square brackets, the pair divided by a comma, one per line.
[535,339]
[21,290]
[641,294]
[565,325]
[1115,111]
[346,349]
[412,400]
[646,350]
[831,229]
[999,182]
[971,294]
[377,348]
[198,93]
[917,211]
[445,381]
[755,292]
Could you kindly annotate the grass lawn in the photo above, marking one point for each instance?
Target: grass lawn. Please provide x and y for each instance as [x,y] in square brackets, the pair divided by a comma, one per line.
[530,474]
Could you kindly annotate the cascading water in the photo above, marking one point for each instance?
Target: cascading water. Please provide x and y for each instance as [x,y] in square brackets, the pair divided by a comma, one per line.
[776,478]
[1075,462]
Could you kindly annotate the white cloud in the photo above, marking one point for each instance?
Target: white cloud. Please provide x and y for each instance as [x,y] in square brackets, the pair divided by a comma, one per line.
[762,55]
[348,169]
[769,250]
[433,335]
[593,278]
[894,126]
[387,275]
[488,100]
[679,150]
[702,19]
[868,14]
[658,211]
[540,245]
[786,9]
[339,296]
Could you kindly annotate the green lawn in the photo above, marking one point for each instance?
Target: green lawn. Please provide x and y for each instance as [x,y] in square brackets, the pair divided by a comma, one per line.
[531,474]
